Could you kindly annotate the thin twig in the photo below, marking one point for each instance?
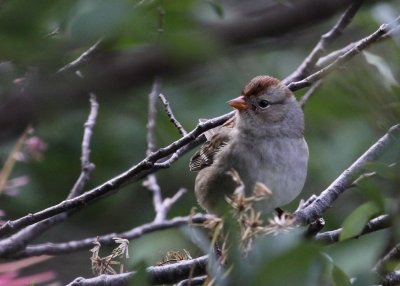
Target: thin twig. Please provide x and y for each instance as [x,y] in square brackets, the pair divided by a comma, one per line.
[151,182]
[86,165]
[166,274]
[330,194]
[378,223]
[167,204]
[367,175]
[394,30]
[175,156]
[109,187]
[107,239]
[309,62]
[82,59]
[360,46]
[161,206]
[22,238]
[152,115]
[171,115]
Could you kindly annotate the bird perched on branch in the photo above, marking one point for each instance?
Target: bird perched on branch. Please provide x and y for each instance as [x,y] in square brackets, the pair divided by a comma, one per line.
[263,143]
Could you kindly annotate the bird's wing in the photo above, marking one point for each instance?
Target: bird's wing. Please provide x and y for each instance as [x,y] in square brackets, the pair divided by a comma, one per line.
[216,140]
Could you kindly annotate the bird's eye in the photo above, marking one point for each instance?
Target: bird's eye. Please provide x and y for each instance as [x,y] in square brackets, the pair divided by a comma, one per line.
[264,103]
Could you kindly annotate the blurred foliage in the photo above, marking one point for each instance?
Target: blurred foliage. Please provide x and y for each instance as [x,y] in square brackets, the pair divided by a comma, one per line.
[352,109]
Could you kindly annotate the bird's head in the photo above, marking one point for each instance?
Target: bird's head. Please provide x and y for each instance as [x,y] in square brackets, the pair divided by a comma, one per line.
[266,101]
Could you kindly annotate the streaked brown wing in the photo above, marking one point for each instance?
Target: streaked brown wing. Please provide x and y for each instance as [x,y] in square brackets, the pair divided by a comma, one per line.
[205,156]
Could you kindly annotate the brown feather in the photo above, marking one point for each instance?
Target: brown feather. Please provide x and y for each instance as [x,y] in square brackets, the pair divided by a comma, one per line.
[258,84]
[205,155]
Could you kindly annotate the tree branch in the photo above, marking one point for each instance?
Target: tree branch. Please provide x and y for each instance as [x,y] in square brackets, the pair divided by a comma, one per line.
[135,173]
[111,71]
[103,280]
[309,62]
[171,115]
[173,273]
[82,59]
[378,223]
[107,239]
[86,166]
[24,236]
[391,279]
[166,274]
[344,181]
[360,46]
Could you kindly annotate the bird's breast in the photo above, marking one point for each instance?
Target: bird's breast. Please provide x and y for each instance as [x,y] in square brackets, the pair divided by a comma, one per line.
[279,163]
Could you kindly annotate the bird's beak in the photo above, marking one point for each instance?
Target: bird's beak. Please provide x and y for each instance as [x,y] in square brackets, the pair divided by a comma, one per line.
[239,103]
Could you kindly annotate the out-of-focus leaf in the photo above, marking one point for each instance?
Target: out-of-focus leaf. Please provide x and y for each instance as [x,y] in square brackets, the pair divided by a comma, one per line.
[356,221]
[275,259]
[339,277]
[383,68]
[371,191]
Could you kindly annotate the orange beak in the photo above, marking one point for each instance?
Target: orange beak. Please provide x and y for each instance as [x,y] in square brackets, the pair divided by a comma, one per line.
[239,103]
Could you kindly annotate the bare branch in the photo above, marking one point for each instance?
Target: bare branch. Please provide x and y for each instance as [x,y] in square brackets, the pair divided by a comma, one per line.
[309,62]
[173,273]
[175,156]
[82,59]
[151,182]
[86,165]
[391,279]
[368,175]
[166,274]
[23,237]
[391,256]
[152,115]
[135,173]
[360,46]
[108,239]
[161,206]
[378,223]
[171,115]
[109,280]
[329,195]
[167,204]
[394,30]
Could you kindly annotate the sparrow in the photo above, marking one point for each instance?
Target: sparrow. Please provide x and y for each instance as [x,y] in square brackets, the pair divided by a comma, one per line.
[263,142]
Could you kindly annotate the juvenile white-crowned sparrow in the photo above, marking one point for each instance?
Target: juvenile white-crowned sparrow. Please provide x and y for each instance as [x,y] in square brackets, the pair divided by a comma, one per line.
[263,142]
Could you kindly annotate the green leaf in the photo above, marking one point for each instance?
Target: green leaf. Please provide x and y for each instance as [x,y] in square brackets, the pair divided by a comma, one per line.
[339,277]
[356,221]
